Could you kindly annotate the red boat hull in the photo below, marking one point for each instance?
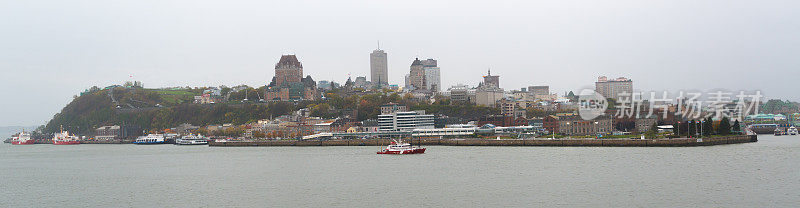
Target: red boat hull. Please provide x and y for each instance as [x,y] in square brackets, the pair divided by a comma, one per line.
[414,151]
[65,142]
[22,143]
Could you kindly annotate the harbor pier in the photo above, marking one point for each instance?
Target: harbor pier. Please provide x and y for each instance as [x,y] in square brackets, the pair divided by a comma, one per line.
[674,142]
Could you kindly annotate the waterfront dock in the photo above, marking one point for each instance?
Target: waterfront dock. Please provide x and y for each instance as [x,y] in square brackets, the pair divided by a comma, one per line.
[675,142]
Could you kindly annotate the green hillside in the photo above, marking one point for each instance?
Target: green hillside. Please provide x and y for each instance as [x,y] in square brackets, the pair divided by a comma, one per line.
[154,109]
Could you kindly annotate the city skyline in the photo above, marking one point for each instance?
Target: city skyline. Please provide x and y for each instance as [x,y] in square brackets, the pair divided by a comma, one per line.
[564,45]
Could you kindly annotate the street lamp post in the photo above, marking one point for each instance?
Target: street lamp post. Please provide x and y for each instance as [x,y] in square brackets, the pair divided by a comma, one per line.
[701,128]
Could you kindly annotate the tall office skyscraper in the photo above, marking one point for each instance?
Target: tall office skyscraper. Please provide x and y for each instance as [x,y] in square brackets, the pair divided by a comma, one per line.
[416,77]
[433,80]
[379,68]
[424,76]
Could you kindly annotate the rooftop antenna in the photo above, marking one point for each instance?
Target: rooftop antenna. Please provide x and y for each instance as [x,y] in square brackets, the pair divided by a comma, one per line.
[379,45]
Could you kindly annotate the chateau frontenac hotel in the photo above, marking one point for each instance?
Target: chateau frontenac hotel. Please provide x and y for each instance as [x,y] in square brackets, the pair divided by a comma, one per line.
[288,83]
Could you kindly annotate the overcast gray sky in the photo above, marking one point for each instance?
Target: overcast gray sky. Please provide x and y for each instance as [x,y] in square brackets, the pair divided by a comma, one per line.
[52,50]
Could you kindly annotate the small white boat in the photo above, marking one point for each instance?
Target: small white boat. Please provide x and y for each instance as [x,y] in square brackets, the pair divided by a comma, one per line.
[151,139]
[398,147]
[192,140]
[792,130]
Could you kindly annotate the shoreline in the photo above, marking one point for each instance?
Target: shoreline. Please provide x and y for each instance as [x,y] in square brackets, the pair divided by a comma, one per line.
[677,142]
[563,142]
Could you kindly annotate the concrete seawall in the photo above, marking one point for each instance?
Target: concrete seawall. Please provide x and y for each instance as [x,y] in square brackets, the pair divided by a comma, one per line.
[678,142]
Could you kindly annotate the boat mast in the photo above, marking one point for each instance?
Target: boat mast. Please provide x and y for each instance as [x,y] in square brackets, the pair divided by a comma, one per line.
[412,140]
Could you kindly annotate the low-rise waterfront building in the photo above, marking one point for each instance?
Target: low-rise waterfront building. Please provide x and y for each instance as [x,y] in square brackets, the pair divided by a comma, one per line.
[575,125]
[370,125]
[500,120]
[764,118]
[644,124]
[117,132]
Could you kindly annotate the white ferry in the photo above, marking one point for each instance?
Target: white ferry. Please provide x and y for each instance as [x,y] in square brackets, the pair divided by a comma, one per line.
[192,140]
[150,139]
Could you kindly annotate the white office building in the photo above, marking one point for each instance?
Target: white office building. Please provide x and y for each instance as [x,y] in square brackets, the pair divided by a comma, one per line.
[405,121]
[433,80]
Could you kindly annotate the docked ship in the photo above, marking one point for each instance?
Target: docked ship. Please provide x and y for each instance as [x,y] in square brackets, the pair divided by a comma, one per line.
[763,128]
[191,140]
[400,148]
[22,139]
[64,138]
[151,139]
[792,130]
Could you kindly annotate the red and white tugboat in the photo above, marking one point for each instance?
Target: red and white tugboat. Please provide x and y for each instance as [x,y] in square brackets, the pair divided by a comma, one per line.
[400,148]
[64,138]
[22,139]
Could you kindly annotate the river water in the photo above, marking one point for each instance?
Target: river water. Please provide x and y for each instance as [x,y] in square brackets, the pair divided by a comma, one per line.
[762,174]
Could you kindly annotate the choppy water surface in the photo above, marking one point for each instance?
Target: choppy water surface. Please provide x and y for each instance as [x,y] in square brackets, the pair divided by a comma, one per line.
[762,174]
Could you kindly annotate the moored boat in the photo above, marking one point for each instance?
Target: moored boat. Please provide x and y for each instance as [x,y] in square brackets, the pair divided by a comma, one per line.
[150,139]
[22,139]
[792,130]
[779,132]
[192,140]
[400,148]
[64,138]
